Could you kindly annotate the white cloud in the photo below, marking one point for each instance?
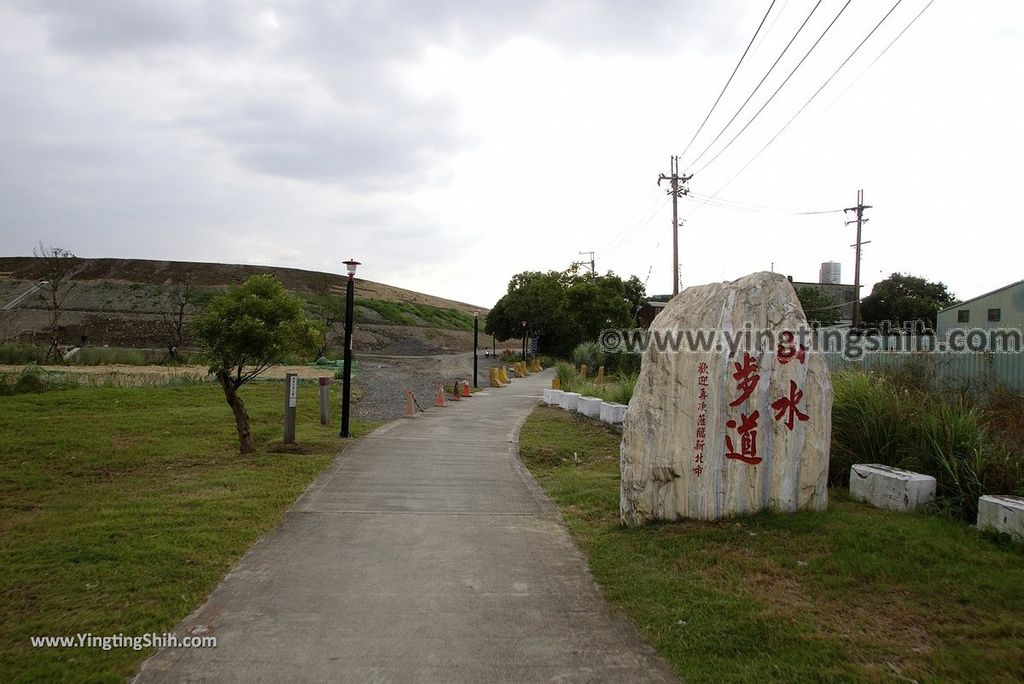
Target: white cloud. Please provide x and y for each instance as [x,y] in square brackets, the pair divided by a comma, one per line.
[448,145]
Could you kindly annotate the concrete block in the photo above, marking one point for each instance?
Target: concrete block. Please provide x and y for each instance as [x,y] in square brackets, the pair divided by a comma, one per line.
[569,400]
[613,414]
[553,397]
[547,396]
[1002,514]
[890,488]
[590,406]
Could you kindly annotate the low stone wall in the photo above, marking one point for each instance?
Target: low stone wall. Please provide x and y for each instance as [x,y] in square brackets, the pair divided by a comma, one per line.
[591,407]
[1002,514]
[890,488]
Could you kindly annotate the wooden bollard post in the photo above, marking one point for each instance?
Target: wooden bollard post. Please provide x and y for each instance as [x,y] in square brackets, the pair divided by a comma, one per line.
[291,387]
[325,401]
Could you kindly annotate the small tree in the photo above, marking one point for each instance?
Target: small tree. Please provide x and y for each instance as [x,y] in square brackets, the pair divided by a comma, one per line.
[177,308]
[58,268]
[328,308]
[248,330]
[818,305]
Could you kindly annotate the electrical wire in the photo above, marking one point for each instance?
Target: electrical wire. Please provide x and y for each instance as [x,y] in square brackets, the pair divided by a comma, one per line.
[642,208]
[810,99]
[723,203]
[731,76]
[757,87]
[622,241]
[781,85]
[882,53]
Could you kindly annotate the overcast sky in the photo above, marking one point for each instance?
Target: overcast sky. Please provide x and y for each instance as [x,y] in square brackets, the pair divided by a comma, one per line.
[451,144]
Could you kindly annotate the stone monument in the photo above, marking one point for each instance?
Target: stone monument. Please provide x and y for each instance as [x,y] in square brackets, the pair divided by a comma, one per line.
[737,427]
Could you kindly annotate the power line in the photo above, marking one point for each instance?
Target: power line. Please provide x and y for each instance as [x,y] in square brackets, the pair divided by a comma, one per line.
[723,203]
[811,98]
[733,74]
[639,226]
[781,85]
[768,30]
[642,207]
[756,88]
[882,53]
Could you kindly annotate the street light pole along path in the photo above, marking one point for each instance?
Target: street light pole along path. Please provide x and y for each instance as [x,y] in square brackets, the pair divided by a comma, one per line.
[346,387]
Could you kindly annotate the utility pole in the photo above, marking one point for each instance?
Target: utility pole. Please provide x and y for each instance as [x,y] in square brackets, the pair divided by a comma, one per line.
[860,221]
[593,270]
[677,188]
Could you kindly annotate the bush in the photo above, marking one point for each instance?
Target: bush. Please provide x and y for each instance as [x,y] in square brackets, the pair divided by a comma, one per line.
[33,379]
[621,390]
[589,354]
[869,424]
[567,375]
[17,353]
[622,363]
[970,448]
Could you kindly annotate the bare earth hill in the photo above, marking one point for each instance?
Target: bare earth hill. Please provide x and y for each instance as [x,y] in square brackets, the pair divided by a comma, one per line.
[123,302]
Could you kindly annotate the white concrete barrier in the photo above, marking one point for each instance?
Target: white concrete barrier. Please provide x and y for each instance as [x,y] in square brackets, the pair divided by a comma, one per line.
[613,414]
[553,397]
[547,396]
[1002,514]
[891,488]
[569,400]
[590,406]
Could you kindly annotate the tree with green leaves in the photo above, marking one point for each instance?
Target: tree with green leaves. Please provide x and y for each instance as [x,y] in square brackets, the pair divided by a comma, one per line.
[564,308]
[246,331]
[818,305]
[903,299]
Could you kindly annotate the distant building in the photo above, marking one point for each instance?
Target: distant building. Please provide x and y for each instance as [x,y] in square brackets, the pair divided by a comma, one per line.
[843,296]
[651,308]
[1002,308]
[830,273]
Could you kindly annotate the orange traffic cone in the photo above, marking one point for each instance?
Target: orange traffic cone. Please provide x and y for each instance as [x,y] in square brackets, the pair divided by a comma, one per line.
[465,389]
[439,399]
[410,409]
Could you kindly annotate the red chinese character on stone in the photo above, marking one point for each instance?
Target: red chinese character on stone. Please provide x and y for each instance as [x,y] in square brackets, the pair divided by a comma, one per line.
[787,351]
[746,378]
[702,433]
[702,421]
[702,368]
[703,393]
[698,469]
[787,406]
[699,458]
[702,381]
[748,440]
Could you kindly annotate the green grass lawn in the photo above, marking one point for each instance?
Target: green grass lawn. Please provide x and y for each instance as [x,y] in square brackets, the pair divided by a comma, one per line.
[123,507]
[853,594]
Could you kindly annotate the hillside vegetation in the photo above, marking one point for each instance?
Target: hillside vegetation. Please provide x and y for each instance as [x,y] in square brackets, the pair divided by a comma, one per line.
[124,303]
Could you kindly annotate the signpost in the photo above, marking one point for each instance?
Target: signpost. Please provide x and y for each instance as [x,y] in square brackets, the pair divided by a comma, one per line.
[291,387]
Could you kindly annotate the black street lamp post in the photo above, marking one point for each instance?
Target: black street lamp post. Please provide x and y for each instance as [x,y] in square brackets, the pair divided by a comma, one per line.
[524,341]
[346,387]
[476,344]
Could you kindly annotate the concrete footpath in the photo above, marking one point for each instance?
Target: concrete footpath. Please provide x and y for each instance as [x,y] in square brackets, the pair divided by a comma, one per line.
[425,552]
